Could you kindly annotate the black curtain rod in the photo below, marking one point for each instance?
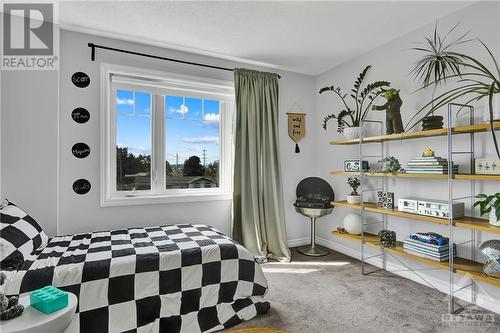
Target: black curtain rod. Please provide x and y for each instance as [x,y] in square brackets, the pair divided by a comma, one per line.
[96,46]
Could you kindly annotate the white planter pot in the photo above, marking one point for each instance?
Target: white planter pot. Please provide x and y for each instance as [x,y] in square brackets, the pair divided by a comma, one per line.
[353,199]
[493,218]
[496,108]
[352,223]
[351,133]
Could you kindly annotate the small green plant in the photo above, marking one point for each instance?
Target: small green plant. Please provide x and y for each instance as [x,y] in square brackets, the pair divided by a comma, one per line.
[488,202]
[388,165]
[363,99]
[354,183]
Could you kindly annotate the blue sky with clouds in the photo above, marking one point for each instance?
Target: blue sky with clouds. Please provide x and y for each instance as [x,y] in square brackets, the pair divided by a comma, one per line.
[191,125]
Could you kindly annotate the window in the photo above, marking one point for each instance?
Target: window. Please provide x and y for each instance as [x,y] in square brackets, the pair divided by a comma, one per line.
[164,137]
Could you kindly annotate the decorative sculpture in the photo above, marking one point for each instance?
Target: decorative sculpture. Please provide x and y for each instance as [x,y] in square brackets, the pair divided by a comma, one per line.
[9,307]
[387,238]
[491,250]
[393,121]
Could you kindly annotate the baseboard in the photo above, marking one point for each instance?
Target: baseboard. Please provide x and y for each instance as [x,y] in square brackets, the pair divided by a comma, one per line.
[298,242]
[402,271]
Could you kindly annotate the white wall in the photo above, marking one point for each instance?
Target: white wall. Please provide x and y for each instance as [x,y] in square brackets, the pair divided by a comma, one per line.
[83,213]
[29,104]
[392,62]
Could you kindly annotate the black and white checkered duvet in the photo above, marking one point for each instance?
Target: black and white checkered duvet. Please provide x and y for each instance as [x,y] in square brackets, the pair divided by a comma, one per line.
[174,278]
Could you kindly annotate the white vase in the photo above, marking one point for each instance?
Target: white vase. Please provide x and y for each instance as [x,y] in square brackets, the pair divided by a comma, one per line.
[352,223]
[353,199]
[351,133]
[493,218]
[496,108]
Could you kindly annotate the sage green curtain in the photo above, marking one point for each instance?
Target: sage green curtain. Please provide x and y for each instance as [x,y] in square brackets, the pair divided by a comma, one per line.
[258,214]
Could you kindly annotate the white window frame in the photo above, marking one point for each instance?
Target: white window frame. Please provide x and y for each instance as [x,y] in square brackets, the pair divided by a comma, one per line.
[160,84]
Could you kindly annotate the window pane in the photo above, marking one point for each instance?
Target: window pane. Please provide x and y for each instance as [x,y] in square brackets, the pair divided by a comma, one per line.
[192,143]
[133,141]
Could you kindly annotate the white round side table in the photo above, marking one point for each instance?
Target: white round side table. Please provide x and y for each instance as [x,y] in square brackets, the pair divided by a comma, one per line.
[34,321]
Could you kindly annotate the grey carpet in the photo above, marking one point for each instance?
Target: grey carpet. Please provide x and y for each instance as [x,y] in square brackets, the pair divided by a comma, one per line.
[329,294]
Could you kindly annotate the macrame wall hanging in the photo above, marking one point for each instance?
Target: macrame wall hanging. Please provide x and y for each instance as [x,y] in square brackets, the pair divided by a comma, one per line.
[296,127]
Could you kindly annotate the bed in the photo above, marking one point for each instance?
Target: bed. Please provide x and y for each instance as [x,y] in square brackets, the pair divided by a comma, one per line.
[173,278]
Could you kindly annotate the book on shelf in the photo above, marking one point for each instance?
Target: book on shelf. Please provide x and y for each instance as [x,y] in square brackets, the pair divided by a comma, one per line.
[430,158]
[430,167]
[436,172]
[427,251]
[418,254]
[420,163]
[431,247]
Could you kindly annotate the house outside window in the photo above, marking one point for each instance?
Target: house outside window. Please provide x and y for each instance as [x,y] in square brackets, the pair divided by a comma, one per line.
[164,137]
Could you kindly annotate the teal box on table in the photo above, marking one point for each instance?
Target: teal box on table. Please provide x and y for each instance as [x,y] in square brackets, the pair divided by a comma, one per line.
[48,299]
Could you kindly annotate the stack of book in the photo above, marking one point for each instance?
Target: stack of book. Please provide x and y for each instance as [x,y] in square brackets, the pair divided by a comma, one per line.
[432,164]
[429,251]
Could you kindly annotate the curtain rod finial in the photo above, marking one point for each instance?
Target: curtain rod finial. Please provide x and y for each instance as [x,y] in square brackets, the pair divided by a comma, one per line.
[92,51]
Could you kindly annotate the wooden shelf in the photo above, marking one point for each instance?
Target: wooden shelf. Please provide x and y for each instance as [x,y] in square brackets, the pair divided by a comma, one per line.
[420,134]
[466,222]
[459,176]
[462,266]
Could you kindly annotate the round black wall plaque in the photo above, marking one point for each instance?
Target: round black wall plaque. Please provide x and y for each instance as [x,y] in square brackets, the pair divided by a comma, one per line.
[80,115]
[80,150]
[80,79]
[81,186]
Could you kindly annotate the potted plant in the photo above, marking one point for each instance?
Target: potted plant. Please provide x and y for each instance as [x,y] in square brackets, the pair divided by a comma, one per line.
[354,197]
[473,80]
[388,164]
[490,204]
[350,118]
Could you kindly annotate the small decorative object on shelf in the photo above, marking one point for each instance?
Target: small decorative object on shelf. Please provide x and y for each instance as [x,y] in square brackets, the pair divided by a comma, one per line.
[352,223]
[429,163]
[490,204]
[428,245]
[388,165]
[353,165]
[354,197]
[429,238]
[387,238]
[353,117]
[385,199]
[392,107]
[428,152]
[341,230]
[48,299]
[483,166]
[491,250]
[9,307]
[432,122]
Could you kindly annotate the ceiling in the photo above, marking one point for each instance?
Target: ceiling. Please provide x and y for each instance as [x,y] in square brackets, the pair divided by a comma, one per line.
[305,37]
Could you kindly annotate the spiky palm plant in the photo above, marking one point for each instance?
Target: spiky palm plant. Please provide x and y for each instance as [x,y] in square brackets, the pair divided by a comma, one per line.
[354,116]
[440,63]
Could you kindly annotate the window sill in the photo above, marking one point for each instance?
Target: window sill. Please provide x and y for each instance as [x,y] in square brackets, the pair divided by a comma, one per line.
[164,199]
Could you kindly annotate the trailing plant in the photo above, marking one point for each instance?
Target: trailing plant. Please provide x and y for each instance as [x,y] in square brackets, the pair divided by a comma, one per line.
[440,64]
[353,116]
[488,202]
[354,183]
[387,165]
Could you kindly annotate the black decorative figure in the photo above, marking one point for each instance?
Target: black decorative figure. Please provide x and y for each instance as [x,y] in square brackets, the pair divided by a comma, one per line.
[9,306]
[393,121]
